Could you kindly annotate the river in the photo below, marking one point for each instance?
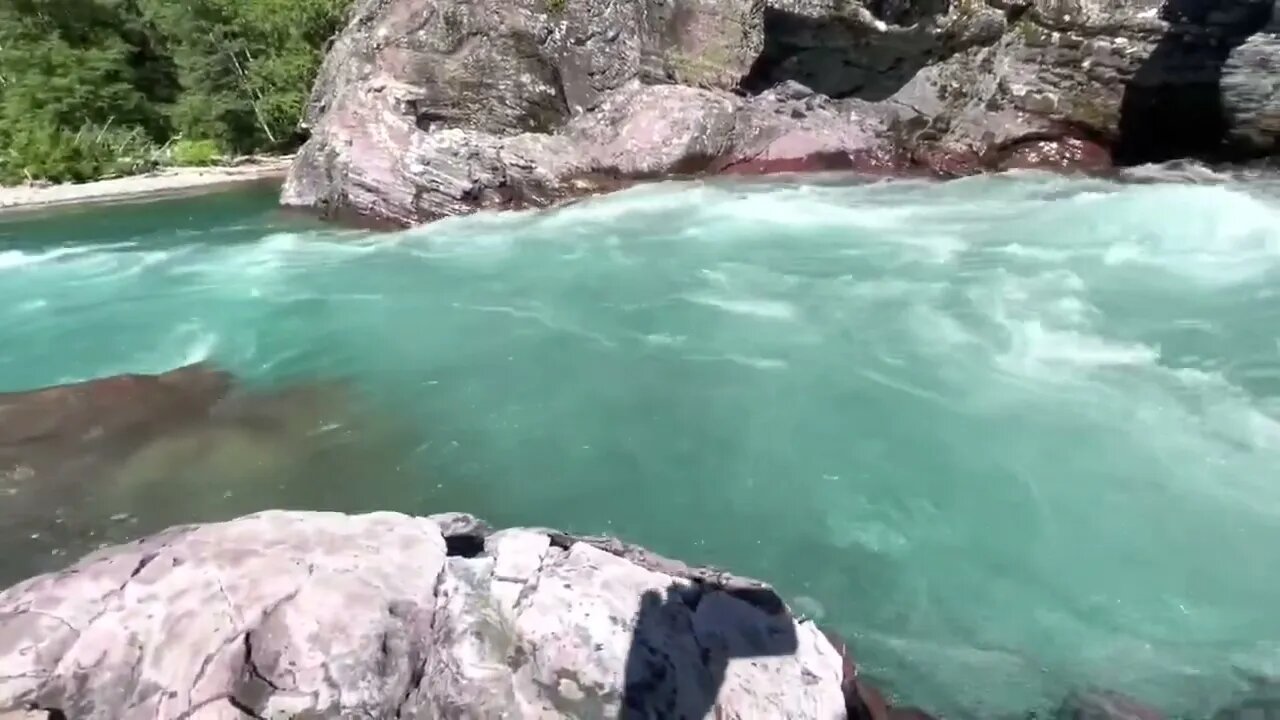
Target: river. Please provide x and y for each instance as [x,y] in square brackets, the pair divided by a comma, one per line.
[1010,434]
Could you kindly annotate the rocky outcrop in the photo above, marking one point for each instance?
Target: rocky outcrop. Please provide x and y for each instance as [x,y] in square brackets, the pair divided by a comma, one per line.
[286,614]
[325,615]
[428,108]
[637,132]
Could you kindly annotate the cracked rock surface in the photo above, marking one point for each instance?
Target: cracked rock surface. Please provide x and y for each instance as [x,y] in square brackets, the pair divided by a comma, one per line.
[324,615]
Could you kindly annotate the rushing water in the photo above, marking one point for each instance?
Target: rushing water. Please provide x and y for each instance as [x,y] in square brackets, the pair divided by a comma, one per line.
[1012,435]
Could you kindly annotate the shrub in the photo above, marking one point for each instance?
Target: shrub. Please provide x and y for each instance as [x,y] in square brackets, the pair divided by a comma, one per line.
[52,153]
[195,153]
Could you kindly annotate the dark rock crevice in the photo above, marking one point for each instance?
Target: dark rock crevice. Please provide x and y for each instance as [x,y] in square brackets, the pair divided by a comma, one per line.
[839,56]
[243,708]
[464,535]
[1173,105]
[423,642]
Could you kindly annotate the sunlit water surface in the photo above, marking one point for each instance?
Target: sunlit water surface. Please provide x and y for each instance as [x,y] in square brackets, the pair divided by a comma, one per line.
[1012,435]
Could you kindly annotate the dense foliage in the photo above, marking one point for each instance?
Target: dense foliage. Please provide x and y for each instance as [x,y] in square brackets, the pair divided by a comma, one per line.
[102,87]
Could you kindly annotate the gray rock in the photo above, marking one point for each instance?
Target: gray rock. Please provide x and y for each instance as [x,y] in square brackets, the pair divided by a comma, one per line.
[1154,80]
[1251,92]
[301,614]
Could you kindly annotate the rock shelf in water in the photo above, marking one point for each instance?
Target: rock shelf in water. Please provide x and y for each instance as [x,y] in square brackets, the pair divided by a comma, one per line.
[326,615]
[304,614]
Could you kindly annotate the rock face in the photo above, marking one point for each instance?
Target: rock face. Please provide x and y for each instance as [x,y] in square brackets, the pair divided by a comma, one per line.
[428,108]
[281,615]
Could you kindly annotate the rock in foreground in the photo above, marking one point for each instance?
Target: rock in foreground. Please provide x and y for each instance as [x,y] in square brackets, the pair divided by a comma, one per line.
[296,614]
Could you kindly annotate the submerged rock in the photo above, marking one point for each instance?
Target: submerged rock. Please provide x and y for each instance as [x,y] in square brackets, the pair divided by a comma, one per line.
[108,406]
[427,108]
[75,458]
[1260,698]
[126,428]
[285,614]
[909,713]
[1105,705]
[53,434]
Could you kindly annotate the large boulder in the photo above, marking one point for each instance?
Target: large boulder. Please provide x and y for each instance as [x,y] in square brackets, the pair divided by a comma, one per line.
[322,615]
[426,108]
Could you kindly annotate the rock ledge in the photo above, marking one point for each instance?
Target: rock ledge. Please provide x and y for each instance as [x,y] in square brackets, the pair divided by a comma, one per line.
[308,614]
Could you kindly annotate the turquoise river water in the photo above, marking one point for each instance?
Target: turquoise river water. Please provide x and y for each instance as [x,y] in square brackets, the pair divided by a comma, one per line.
[1012,435]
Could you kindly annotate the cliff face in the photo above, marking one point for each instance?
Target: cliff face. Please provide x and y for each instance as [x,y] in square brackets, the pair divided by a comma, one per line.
[427,108]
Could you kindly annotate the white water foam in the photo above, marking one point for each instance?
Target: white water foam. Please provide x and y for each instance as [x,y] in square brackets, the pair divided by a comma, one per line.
[14,259]
[1038,352]
[762,308]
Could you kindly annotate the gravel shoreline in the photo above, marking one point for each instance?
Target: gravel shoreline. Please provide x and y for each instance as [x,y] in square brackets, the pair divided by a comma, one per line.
[154,186]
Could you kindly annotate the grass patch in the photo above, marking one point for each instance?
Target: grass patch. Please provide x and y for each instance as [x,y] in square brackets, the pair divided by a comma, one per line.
[195,153]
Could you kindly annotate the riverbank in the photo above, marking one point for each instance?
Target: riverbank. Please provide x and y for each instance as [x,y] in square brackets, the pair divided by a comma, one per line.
[161,184]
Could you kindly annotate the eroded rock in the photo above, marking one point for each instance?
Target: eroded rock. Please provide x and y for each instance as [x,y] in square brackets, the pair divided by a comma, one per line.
[426,108]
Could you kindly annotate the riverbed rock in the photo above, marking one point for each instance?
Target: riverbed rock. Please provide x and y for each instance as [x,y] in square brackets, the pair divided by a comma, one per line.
[304,614]
[909,713]
[1105,705]
[1259,697]
[191,439]
[126,428]
[429,108]
[52,433]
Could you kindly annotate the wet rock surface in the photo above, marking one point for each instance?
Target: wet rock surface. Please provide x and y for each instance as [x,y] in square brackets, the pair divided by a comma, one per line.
[428,108]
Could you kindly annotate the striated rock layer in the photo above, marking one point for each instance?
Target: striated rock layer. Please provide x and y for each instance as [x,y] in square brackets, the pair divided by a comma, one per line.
[299,614]
[429,108]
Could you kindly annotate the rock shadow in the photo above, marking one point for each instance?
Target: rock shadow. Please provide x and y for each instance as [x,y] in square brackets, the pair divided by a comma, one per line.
[1172,107]
[683,642]
[837,57]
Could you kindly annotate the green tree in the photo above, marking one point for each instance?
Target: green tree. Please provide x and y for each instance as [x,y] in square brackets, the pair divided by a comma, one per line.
[91,87]
[245,66]
[74,76]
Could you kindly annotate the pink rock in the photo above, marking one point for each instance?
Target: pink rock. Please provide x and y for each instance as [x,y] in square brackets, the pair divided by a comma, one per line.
[1066,153]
